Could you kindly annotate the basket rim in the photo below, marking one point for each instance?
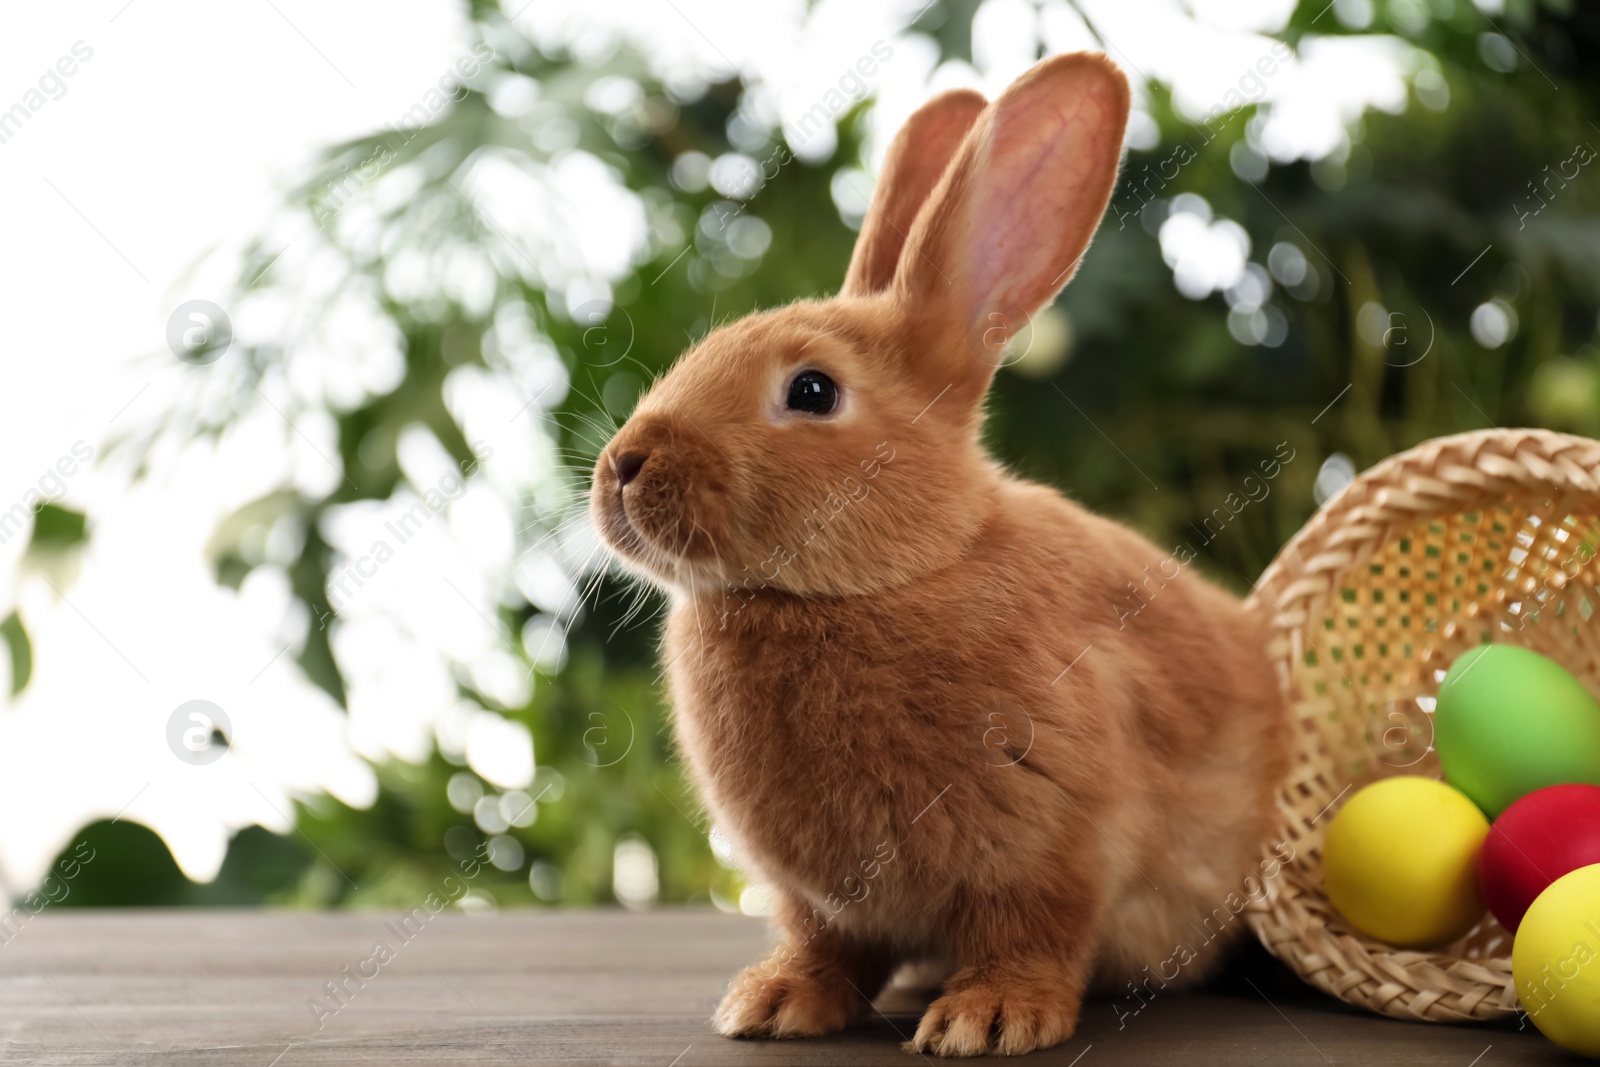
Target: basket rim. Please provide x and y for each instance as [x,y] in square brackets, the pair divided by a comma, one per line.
[1447,475]
[1438,476]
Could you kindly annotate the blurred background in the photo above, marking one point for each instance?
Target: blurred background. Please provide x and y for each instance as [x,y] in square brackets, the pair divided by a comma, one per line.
[320,313]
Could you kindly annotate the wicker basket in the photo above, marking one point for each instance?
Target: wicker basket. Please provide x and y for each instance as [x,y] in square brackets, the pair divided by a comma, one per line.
[1487,536]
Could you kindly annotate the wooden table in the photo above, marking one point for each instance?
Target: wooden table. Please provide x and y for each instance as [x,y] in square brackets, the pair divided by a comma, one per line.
[595,987]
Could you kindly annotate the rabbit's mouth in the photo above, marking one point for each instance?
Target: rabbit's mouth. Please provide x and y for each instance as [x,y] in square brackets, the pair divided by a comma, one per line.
[641,552]
[621,534]
[661,500]
[608,508]
[652,523]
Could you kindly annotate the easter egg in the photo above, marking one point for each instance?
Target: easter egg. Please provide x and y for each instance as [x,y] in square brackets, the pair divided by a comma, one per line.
[1400,862]
[1538,839]
[1509,721]
[1555,961]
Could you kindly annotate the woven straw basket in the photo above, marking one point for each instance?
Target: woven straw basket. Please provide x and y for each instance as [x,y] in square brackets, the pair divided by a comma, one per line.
[1486,536]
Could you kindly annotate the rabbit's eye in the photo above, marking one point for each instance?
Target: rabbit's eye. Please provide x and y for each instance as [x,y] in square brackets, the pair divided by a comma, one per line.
[814,393]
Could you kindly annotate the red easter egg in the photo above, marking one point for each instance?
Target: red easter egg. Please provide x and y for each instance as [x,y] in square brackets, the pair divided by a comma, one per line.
[1548,833]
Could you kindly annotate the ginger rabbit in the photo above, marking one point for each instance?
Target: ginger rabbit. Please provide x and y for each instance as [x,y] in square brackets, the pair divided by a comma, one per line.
[904,681]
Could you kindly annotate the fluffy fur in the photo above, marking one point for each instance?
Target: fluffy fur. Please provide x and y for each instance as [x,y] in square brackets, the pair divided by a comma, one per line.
[907,684]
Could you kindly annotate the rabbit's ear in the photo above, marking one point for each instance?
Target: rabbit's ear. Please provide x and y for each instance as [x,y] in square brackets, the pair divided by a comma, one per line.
[1014,213]
[919,155]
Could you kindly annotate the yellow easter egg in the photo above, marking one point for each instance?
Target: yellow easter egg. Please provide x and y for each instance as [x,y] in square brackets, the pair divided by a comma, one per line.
[1400,862]
[1555,961]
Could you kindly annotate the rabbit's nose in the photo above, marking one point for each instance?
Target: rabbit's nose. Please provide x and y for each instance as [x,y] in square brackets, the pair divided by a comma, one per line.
[628,465]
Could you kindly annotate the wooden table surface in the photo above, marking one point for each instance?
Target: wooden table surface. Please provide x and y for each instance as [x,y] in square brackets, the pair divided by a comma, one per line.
[594,987]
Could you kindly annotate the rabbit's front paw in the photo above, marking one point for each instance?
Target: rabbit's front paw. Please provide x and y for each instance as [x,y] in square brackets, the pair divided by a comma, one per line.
[784,1004]
[1007,1015]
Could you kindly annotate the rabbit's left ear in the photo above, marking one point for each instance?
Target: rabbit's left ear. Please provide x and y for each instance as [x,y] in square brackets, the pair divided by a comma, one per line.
[917,158]
[1014,213]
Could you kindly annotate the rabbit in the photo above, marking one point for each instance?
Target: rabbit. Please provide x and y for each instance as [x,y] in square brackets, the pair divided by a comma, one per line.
[909,686]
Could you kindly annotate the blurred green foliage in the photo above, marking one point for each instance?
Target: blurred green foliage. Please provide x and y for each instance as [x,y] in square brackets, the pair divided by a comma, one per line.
[1154,415]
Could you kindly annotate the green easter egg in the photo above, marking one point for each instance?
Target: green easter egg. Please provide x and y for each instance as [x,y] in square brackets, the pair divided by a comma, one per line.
[1510,721]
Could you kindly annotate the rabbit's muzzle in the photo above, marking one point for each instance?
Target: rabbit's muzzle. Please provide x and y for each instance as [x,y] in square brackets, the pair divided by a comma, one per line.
[660,495]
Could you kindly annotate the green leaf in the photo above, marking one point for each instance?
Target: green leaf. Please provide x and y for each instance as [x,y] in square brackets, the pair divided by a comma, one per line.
[21,650]
[56,528]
